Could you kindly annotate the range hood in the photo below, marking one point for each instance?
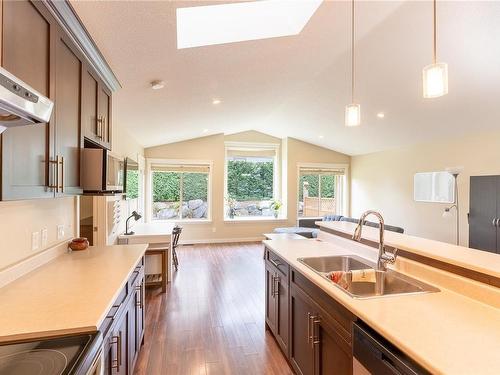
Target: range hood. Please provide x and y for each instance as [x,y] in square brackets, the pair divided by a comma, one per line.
[20,104]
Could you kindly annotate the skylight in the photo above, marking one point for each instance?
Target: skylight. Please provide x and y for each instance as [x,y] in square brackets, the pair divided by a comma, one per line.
[236,22]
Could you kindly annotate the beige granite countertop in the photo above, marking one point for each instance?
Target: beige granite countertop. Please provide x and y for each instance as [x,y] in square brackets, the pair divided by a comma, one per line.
[70,294]
[480,261]
[445,332]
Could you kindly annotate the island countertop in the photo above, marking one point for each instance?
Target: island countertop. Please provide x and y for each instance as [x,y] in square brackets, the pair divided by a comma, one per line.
[69,295]
[445,332]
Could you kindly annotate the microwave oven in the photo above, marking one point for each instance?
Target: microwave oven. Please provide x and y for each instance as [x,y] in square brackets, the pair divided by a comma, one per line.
[102,172]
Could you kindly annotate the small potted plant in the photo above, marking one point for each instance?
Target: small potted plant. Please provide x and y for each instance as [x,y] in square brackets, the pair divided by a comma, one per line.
[276,206]
[231,204]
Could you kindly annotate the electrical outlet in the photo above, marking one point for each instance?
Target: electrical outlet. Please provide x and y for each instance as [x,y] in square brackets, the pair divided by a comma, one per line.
[35,240]
[60,232]
[45,237]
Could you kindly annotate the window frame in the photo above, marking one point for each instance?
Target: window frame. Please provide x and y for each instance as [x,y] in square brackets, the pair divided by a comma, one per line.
[251,146]
[345,188]
[177,162]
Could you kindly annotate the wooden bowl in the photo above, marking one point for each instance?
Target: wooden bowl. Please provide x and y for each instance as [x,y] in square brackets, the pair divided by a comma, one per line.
[79,243]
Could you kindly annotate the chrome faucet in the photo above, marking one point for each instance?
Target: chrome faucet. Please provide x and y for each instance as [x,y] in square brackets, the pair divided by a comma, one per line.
[383,256]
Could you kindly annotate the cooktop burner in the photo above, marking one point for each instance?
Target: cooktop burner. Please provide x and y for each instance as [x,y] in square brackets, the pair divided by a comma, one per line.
[49,357]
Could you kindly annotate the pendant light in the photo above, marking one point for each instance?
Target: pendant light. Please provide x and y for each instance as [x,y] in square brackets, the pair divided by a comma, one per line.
[435,75]
[353,110]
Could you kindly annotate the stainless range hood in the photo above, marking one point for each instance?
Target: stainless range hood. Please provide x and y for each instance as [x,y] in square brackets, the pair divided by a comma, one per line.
[20,104]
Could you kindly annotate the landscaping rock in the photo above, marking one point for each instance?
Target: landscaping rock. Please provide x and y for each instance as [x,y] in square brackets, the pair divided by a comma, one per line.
[195,203]
[167,213]
[200,211]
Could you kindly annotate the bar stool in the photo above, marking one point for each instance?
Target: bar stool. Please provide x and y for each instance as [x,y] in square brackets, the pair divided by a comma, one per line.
[176,233]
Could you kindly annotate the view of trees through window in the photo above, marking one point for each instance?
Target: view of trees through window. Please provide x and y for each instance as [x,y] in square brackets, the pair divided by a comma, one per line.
[317,194]
[179,195]
[250,183]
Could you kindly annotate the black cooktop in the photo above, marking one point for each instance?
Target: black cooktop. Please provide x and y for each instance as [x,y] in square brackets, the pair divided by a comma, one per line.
[48,357]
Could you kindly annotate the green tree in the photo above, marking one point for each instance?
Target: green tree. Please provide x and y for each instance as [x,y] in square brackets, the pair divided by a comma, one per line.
[248,181]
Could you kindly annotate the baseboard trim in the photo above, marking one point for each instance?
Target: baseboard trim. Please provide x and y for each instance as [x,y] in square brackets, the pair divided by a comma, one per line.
[222,240]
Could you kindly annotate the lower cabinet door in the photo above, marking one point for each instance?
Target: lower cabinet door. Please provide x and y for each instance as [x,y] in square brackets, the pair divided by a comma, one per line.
[301,345]
[270,298]
[139,314]
[332,355]
[119,343]
[281,324]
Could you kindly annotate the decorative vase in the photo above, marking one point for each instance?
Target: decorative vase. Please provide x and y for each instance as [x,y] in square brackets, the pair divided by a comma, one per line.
[77,244]
[276,212]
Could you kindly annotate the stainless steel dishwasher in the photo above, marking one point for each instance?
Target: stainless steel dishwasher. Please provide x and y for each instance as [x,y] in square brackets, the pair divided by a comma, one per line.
[375,355]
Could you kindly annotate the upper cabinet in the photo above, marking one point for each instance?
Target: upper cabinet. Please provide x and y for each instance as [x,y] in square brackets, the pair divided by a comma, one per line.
[44,160]
[28,54]
[96,109]
[68,140]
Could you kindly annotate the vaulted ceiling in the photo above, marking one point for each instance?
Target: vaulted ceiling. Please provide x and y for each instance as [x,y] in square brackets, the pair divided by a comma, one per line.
[299,85]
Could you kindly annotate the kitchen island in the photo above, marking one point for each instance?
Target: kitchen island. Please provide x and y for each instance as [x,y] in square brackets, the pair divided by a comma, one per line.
[453,331]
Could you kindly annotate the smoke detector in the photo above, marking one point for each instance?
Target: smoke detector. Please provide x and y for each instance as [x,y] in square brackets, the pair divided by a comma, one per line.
[157,85]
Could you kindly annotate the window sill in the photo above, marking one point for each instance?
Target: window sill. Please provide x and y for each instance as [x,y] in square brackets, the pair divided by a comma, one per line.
[253,219]
[184,221]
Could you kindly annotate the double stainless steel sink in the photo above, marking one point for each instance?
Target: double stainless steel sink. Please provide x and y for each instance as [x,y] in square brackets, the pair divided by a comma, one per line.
[387,283]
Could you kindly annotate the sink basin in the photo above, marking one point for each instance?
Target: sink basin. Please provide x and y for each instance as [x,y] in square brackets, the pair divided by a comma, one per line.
[387,283]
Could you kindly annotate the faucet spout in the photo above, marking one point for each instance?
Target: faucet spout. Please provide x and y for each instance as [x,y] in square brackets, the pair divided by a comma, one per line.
[383,256]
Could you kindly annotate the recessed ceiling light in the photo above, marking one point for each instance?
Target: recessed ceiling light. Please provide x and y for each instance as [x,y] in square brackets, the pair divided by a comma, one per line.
[216,101]
[205,130]
[236,22]
[320,137]
[381,115]
[157,85]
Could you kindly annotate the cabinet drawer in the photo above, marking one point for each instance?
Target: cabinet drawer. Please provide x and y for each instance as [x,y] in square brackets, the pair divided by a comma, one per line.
[341,318]
[277,262]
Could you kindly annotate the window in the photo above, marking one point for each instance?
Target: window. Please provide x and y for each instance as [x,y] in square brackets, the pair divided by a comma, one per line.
[180,192]
[321,191]
[251,181]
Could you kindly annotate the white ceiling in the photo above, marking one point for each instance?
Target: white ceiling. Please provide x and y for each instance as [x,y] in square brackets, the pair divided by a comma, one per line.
[298,86]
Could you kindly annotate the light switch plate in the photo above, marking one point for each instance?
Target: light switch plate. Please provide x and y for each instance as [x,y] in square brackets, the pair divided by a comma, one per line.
[60,232]
[45,237]
[35,240]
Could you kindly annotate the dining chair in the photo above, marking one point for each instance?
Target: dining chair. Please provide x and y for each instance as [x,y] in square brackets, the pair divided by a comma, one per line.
[176,233]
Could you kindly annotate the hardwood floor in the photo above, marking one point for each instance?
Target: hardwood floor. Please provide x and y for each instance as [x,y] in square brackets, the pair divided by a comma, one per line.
[211,320]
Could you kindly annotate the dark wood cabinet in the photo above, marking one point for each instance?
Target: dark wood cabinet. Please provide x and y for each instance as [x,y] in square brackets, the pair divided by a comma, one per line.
[277,299]
[484,214]
[96,109]
[67,119]
[270,297]
[104,116]
[43,160]
[301,345]
[332,355]
[313,330]
[123,328]
[27,52]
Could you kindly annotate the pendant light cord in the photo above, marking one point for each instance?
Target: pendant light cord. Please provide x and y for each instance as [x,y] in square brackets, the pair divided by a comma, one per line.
[434,55]
[352,52]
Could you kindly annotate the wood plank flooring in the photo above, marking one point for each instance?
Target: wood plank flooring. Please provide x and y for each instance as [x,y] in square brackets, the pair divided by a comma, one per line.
[211,320]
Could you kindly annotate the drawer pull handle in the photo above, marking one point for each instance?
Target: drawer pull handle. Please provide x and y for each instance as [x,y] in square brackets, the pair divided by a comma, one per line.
[275,262]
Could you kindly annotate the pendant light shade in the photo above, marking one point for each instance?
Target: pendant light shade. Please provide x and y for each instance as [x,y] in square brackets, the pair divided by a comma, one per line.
[435,78]
[435,75]
[353,115]
[352,111]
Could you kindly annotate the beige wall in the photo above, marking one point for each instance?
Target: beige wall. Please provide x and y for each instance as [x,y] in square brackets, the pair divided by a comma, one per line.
[211,148]
[20,218]
[302,152]
[384,181]
[125,145]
